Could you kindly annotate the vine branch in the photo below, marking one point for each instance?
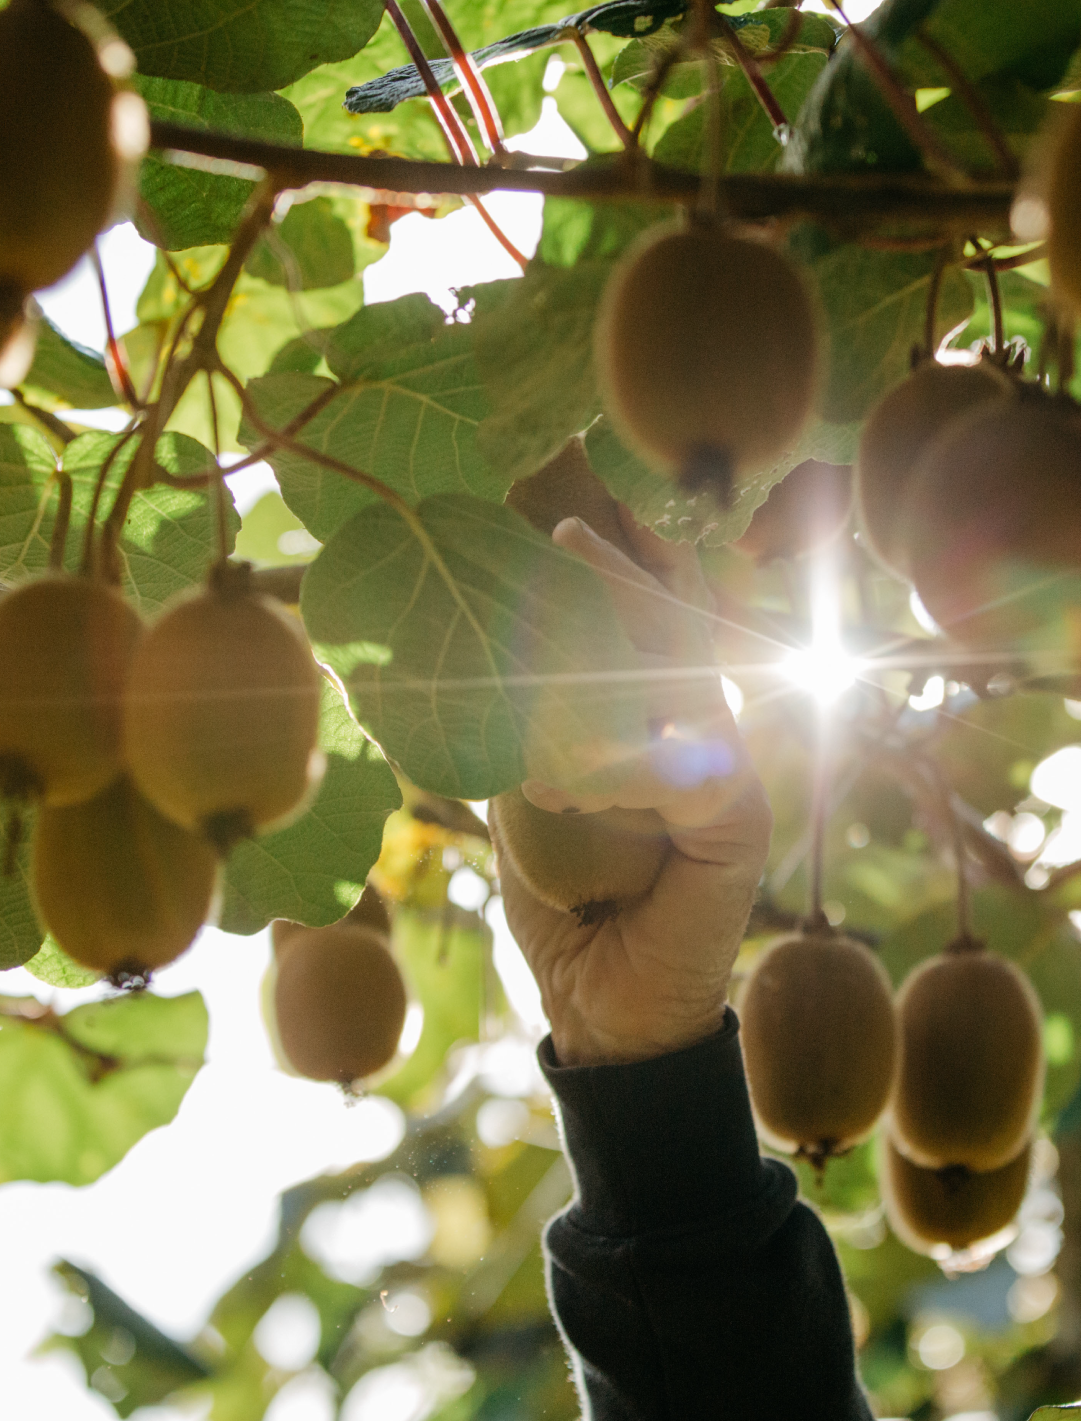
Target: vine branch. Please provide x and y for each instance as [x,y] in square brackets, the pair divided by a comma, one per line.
[752,197]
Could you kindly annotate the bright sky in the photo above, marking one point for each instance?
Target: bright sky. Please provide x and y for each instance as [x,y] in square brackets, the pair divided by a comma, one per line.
[194,1205]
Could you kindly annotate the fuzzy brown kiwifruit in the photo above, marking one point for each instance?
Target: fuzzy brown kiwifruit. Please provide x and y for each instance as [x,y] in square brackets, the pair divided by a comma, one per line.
[121,888]
[221,714]
[819,1042]
[339,1003]
[931,1209]
[66,645]
[805,511]
[900,427]
[705,348]
[995,546]
[588,864]
[971,1060]
[568,488]
[1064,208]
[59,167]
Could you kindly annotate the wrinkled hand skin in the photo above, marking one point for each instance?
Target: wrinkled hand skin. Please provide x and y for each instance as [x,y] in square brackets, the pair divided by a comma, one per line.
[654,977]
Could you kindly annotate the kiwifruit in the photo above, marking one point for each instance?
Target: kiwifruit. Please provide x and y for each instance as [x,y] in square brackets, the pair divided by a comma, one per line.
[568,488]
[804,512]
[588,864]
[339,1002]
[65,647]
[971,1060]
[58,164]
[900,427]
[932,1209]
[369,911]
[705,348]
[222,714]
[995,503]
[1064,208]
[121,888]
[819,1042]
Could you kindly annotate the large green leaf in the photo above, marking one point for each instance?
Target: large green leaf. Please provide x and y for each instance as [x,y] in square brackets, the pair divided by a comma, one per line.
[660,504]
[190,207]
[1031,42]
[314,871]
[81,1089]
[474,650]
[68,373]
[535,351]
[311,249]
[875,308]
[242,46]
[168,540]
[408,414]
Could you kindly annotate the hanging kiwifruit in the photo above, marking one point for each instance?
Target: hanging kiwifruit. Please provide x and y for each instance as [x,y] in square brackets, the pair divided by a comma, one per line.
[121,888]
[588,864]
[804,512]
[996,509]
[1064,208]
[339,1002]
[568,488]
[59,165]
[65,648]
[819,1042]
[705,347]
[954,1208]
[971,1060]
[222,713]
[369,911]
[901,426]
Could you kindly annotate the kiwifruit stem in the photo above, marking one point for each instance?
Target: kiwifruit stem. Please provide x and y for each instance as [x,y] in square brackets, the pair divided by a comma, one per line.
[820,787]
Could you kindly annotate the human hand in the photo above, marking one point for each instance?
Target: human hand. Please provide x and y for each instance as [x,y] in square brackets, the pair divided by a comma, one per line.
[653,978]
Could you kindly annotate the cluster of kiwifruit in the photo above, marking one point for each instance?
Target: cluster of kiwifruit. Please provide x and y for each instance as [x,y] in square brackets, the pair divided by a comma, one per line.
[334,1000]
[705,347]
[956,1062]
[66,141]
[967,482]
[147,752]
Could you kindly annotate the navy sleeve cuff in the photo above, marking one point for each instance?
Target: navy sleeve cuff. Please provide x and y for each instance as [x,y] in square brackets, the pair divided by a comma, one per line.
[669,1144]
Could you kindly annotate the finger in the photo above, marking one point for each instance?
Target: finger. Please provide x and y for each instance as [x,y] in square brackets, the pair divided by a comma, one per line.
[653,617]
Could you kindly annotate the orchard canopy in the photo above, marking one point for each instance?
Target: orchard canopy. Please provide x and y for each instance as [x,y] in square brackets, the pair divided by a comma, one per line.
[901,643]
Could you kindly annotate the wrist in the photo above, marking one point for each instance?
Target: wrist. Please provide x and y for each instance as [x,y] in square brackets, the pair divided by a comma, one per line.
[576,1042]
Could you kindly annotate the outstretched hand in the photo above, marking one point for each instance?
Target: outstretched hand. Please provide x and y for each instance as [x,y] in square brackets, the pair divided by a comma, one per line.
[654,977]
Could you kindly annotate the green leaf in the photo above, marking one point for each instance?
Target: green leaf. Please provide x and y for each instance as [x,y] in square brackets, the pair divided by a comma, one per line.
[190,207]
[311,249]
[68,372]
[443,956]
[408,413]
[157,1365]
[875,307]
[242,46]
[314,871]
[750,143]
[1017,111]
[20,932]
[473,649]
[52,965]
[1050,1412]
[81,1089]
[535,352]
[661,505]
[168,540]
[575,231]
[996,38]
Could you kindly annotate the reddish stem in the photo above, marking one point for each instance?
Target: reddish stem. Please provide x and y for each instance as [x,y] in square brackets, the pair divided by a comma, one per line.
[600,88]
[476,90]
[755,78]
[900,100]
[118,366]
[458,140]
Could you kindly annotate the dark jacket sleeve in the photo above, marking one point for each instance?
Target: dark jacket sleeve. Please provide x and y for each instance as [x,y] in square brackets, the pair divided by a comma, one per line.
[686,1279]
